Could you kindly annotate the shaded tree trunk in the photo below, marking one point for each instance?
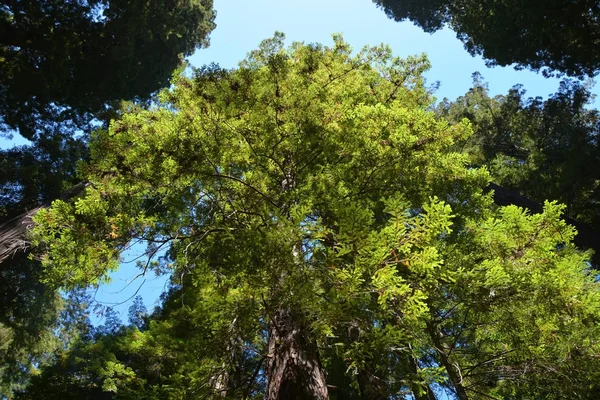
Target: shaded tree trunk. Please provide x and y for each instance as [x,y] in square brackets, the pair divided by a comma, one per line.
[371,387]
[453,370]
[294,370]
[423,391]
[14,240]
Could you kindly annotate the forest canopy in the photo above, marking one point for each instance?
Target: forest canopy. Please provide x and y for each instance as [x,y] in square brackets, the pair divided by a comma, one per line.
[554,36]
[66,68]
[328,239]
[66,61]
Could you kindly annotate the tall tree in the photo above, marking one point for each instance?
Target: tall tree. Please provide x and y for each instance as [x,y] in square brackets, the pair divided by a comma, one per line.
[138,313]
[64,61]
[64,68]
[552,35]
[316,214]
[543,149]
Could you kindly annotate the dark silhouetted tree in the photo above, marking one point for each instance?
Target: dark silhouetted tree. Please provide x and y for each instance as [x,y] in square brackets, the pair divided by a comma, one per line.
[550,35]
[138,313]
[64,61]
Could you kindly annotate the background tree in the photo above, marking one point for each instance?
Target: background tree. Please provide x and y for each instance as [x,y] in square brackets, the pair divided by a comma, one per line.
[550,35]
[543,149]
[316,214]
[138,313]
[64,61]
[65,67]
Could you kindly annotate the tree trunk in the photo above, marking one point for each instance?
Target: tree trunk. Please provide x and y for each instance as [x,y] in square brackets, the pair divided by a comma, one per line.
[13,235]
[294,370]
[14,240]
[220,382]
[371,387]
[453,370]
[420,391]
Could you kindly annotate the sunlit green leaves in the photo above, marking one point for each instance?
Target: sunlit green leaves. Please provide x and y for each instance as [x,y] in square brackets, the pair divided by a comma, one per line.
[315,181]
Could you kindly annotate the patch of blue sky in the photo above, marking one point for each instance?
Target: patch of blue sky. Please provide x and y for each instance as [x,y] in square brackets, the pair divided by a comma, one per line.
[129,281]
[241,25]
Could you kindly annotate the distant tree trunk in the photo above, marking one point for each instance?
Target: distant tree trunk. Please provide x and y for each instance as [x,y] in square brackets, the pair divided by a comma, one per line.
[453,370]
[371,387]
[294,370]
[220,382]
[420,391]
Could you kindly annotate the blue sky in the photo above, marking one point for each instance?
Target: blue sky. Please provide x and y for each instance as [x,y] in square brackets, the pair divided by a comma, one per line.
[242,24]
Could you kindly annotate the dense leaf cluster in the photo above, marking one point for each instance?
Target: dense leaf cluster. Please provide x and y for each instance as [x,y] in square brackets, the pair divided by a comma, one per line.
[65,60]
[327,239]
[545,149]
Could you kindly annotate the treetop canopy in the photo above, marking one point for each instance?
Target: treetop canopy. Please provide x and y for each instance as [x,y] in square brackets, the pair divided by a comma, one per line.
[309,200]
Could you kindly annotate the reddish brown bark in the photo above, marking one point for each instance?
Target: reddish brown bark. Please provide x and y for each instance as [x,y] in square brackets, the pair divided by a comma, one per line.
[14,239]
[294,370]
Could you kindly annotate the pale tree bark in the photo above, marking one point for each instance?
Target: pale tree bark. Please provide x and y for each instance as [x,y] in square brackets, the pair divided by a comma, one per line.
[220,382]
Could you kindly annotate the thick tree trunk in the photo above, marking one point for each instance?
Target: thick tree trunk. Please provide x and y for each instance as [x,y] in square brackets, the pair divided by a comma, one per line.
[294,370]
[14,240]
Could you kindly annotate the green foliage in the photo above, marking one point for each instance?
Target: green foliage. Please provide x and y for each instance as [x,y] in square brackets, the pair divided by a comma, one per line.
[63,61]
[544,149]
[35,324]
[30,313]
[138,313]
[315,181]
[65,66]
[554,35]
[40,173]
